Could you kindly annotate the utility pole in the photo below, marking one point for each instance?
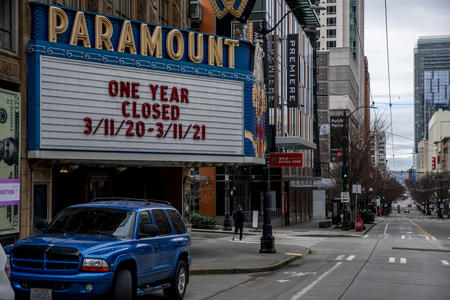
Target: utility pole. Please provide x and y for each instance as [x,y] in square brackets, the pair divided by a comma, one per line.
[345,170]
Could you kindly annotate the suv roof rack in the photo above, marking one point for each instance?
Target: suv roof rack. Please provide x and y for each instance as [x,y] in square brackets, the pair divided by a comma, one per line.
[147,201]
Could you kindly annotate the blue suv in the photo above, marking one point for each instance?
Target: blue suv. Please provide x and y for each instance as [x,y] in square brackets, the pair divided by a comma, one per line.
[111,247]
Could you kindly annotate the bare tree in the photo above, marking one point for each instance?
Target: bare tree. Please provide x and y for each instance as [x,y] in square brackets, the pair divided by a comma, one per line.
[362,170]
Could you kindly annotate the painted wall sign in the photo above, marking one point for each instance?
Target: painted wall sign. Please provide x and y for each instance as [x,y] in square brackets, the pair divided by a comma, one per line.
[10,120]
[286,160]
[292,70]
[134,89]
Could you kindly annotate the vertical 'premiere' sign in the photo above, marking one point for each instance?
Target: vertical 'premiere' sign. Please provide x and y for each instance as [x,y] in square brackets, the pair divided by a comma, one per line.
[292,70]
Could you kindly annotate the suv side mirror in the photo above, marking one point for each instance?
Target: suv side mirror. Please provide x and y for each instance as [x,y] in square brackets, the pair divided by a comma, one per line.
[41,224]
[149,230]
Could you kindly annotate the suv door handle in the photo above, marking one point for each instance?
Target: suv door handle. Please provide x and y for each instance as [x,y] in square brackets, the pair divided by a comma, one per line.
[176,245]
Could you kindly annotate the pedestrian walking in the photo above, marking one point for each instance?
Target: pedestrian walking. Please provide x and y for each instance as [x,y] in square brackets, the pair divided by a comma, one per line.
[238,223]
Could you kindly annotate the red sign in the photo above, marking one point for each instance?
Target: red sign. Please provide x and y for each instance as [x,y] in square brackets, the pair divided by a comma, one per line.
[286,160]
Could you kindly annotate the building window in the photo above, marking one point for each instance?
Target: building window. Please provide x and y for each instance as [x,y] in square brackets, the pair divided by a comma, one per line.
[331,10]
[331,1]
[123,8]
[331,21]
[317,45]
[75,4]
[8,27]
[164,12]
[331,33]
[331,44]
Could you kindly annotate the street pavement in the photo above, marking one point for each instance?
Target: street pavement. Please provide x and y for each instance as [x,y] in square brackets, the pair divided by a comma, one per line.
[405,256]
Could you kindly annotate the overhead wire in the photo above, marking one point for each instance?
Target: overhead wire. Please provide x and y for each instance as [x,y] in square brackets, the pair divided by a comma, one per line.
[389,81]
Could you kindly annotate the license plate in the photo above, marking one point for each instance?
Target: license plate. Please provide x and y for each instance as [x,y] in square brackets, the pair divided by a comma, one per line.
[41,294]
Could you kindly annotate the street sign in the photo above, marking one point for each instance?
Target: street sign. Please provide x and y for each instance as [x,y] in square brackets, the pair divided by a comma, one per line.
[286,160]
[345,197]
[356,188]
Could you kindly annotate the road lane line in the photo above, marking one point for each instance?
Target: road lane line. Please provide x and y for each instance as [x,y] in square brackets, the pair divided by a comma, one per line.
[340,257]
[365,236]
[312,284]
[351,257]
[386,236]
[385,228]
[421,229]
[433,238]
[427,238]
[445,262]
[403,260]
[391,260]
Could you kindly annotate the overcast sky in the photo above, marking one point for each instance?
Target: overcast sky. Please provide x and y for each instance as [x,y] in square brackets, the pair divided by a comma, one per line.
[407,20]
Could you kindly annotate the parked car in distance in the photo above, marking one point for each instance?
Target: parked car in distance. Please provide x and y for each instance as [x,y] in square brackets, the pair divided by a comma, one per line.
[110,248]
[406,210]
[6,291]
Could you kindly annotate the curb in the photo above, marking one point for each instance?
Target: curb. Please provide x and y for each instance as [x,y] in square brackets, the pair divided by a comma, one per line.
[339,235]
[242,270]
[223,231]
[368,229]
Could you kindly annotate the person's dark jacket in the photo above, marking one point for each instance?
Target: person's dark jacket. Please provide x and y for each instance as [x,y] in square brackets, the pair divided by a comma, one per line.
[239,218]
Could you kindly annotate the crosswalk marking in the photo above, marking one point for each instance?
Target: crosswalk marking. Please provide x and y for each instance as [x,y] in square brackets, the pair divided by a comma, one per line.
[340,257]
[403,260]
[433,238]
[365,236]
[391,260]
[351,257]
[445,262]
[403,237]
[427,238]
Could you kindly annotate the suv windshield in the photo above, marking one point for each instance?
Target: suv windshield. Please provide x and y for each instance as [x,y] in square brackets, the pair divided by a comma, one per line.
[93,221]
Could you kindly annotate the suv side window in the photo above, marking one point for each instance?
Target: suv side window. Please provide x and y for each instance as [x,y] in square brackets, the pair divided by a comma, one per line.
[144,218]
[162,222]
[176,221]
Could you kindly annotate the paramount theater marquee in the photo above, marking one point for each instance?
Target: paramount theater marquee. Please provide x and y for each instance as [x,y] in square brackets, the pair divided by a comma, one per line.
[105,88]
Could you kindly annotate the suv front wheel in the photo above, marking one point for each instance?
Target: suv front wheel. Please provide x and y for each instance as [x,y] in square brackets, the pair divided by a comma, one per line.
[178,282]
[123,285]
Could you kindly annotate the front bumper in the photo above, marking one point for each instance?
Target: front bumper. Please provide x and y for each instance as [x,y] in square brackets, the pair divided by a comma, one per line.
[64,286]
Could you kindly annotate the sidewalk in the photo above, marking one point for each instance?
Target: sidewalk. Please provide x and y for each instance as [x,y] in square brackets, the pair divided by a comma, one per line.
[213,252]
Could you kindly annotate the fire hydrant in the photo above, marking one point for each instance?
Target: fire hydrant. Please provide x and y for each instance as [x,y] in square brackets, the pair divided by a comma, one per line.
[359,223]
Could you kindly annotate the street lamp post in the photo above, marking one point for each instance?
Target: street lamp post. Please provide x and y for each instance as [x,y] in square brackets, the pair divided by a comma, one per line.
[226,221]
[267,239]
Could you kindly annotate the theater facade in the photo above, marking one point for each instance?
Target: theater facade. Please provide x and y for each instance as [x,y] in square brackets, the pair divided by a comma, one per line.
[121,108]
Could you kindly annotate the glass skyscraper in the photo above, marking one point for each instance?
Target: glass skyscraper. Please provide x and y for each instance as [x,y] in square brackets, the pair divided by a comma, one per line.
[431,82]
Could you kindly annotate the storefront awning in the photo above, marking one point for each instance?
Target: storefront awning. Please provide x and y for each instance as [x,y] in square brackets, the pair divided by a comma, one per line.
[305,15]
[294,143]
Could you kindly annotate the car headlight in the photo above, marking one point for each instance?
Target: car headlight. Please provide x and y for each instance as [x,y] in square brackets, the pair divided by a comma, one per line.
[94,265]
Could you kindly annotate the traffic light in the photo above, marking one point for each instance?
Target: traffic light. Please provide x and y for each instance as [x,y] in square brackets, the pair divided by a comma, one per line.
[344,172]
[345,177]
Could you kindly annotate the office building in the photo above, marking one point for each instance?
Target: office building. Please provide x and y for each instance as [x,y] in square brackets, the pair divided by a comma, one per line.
[431,82]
